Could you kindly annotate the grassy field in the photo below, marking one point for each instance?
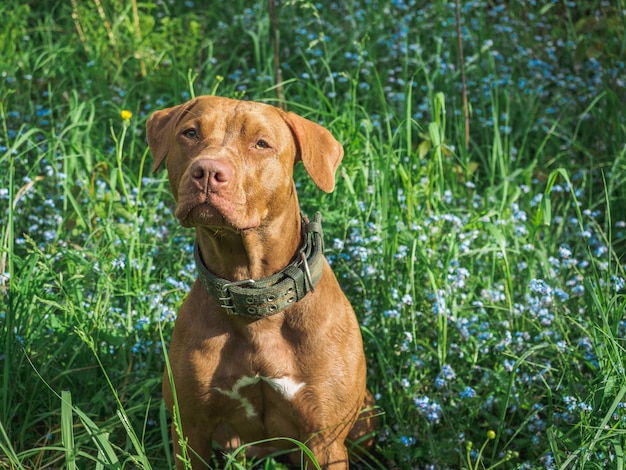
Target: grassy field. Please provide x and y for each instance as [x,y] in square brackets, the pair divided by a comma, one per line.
[487,273]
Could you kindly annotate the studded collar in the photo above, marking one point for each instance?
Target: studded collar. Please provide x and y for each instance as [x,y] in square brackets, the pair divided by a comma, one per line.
[259,298]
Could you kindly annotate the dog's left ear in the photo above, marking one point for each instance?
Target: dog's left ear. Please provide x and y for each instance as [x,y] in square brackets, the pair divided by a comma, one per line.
[317,149]
[160,126]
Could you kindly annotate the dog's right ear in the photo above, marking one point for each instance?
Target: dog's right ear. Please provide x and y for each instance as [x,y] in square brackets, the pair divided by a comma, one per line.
[160,126]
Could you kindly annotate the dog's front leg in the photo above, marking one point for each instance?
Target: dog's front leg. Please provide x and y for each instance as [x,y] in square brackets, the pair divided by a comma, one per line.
[197,450]
[330,455]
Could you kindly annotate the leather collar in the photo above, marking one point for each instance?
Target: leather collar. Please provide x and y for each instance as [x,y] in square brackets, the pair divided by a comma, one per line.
[259,298]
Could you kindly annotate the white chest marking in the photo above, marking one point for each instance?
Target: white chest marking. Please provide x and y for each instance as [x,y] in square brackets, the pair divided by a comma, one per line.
[286,386]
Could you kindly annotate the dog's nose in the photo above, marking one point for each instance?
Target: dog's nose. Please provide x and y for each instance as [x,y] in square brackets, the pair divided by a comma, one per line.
[211,174]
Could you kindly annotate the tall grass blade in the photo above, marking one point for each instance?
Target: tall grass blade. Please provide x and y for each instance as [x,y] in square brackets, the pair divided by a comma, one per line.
[67,430]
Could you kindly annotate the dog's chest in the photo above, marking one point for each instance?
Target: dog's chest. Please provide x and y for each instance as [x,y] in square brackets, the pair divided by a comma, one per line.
[259,407]
[250,392]
[256,376]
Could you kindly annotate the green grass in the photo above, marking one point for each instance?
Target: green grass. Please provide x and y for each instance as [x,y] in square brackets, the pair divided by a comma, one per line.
[488,278]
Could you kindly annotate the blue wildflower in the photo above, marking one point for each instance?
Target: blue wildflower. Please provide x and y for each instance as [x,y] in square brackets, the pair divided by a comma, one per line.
[429,408]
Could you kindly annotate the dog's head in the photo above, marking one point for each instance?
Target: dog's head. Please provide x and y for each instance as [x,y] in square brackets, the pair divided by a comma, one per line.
[231,162]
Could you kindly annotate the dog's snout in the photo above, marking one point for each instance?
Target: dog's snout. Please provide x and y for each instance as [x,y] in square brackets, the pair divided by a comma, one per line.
[211,174]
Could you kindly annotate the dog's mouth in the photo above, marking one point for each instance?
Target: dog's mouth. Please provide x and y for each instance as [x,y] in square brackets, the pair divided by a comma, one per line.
[199,214]
[209,214]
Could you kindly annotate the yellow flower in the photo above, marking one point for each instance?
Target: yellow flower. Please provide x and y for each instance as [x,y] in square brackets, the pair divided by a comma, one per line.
[491,434]
[126,114]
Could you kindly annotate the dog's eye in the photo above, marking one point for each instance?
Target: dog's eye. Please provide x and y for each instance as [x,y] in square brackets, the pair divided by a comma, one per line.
[191,134]
[261,144]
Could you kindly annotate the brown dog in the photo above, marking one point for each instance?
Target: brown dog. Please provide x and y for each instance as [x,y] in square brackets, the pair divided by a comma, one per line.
[266,344]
